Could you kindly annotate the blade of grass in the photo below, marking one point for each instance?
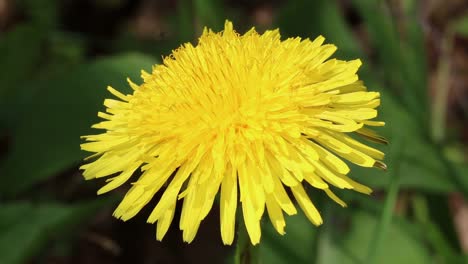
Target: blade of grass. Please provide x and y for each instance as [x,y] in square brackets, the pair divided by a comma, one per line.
[439,109]
[308,19]
[389,204]
[388,45]
[414,51]
[435,237]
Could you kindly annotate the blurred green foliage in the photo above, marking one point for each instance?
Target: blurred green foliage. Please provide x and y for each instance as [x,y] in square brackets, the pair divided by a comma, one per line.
[61,117]
[25,227]
[51,90]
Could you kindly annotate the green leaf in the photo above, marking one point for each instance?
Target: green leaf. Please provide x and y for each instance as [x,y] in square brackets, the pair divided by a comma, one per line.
[47,139]
[425,172]
[400,61]
[64,52]
[309,19]
[210,13]
[393,188]
[400,245]
[20,53]
[296,246]
[25,228]
[42,13]
[414,52]
[434,234]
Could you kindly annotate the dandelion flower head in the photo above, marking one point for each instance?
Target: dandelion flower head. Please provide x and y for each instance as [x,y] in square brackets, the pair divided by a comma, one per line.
[251,119]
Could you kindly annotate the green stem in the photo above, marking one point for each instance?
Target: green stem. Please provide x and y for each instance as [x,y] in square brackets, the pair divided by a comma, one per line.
[441,91]
[458,178]
[389,204]
[246,253]
[433,235]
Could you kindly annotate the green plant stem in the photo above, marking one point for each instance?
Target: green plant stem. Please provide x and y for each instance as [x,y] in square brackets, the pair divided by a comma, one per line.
[385,219]
[433,235]
[389,204]
[439,110]
[384,35]
[441,91]
[246,253]
[458,178]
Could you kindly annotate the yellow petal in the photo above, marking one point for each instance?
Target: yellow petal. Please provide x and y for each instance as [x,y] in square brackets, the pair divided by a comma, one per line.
[282,198]
[275,214]
[357,186]
[306,205]
[165,222]
[117,94]
[355,97]
[228,204]
[345,151]
[120,179]
[252,222]
[334,197]
[331,160]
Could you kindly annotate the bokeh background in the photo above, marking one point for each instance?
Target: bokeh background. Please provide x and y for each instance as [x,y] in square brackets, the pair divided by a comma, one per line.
[58,56]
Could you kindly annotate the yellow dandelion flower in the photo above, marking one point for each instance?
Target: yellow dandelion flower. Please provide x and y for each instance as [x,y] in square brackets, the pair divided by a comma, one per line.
[248,116]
